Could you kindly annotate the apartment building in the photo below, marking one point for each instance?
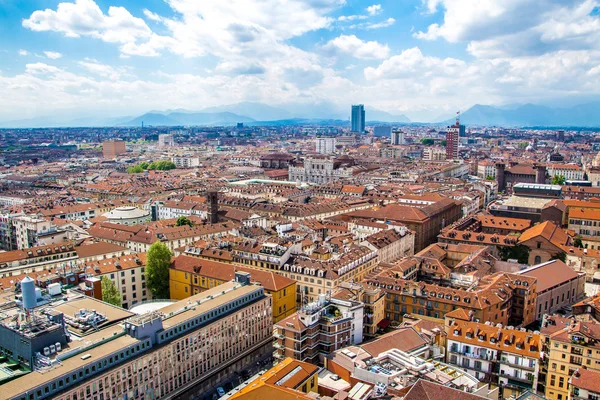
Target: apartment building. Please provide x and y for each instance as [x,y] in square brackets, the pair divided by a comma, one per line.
[571,172]
[155,355]
[586,224]
[391,244]
[113,148]
[584,385]
[569,345]
[318,329]
[191,275]
[493,353]
[127,272]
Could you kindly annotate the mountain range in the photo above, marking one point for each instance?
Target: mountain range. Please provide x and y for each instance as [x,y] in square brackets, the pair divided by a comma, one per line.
[583,115]
[514,115]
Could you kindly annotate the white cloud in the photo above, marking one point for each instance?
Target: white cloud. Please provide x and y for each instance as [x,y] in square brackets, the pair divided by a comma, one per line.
[84,18]
[53,55]
[41,68]
[412,61]
[23,52]
[351,45]
[516,27]
[152,16]
[374,25]
[374,9]
[345,18]
[103,70]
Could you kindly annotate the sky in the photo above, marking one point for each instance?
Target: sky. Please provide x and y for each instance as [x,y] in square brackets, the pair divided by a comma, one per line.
[422,58]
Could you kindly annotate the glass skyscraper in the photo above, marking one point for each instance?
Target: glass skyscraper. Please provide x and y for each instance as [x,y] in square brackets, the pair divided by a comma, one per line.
[358,118]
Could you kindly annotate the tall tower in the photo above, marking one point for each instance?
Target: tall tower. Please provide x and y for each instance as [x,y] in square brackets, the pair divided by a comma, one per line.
[452,138]
[358,118]
[212,199]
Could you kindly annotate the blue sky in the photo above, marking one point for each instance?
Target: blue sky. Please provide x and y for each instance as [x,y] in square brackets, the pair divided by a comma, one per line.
[424,58]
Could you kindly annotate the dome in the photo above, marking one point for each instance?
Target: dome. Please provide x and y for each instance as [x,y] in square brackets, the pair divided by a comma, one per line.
[127,215]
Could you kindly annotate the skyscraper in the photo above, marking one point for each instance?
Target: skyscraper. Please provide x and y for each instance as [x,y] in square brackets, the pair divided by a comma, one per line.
[397,137]
[452,138]
[358,118]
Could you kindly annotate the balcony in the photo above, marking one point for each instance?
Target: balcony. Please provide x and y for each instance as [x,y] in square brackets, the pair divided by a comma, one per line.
[505,361]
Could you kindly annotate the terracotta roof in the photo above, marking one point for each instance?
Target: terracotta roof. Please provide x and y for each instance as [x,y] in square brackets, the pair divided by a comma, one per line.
[583,213]
[547,230]
[584,378]
[550,274]
[226,272]
[99,248]
[405,339]
[425,390]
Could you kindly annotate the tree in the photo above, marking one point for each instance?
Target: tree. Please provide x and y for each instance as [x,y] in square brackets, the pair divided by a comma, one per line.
[181,221]
[519,252]
[427,141]
[577,242]
[443,143]
[558,180]
[110,293]
[489,178]
[157,270]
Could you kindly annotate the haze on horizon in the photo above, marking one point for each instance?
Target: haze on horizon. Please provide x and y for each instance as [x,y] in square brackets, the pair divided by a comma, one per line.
[421,58]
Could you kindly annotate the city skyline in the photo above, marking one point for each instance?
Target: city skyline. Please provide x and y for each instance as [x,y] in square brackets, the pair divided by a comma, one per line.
[424,59]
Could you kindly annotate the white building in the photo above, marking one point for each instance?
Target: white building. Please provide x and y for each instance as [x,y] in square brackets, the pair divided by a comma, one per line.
[325,145]
[186,161]
[166,140]
[320,170]
[397,138]
[127,216]
[29,228]
[569,171]
[485,169]
[434,154]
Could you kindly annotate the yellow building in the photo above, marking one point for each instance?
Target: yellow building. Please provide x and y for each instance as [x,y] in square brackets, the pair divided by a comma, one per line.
[569,346]
[191,275]
[289,374]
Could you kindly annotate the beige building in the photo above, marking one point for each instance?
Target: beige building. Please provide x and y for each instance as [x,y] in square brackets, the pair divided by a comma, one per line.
[113,148]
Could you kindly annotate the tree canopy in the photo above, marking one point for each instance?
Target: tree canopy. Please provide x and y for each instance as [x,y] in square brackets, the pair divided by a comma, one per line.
[110,293]
[163,165]
[558,180]
[181,221]
[157,270]
[427,141]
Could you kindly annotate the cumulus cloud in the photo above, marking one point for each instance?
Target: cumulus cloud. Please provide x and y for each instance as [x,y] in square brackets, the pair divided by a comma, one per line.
[23,52]
[353,46]
[516,27]
[53,55]
[374,9]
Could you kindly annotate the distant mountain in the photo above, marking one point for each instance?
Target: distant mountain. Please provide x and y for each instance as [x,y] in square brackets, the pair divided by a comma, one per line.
[57,122]
[583,115]
[256,111]
[375,115]
[183,117]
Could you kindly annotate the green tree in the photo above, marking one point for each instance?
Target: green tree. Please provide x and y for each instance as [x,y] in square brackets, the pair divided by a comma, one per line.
[489,178]
[110,293]
[157,270]
[181,221]
[427,141]
[558,180]
[519,252]
[577,242]
[443,143]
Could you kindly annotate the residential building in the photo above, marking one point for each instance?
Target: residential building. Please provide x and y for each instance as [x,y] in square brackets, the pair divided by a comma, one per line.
[571,172]
[113,148]
[569,345]
[452,140]
[166,140]
[584,384]
[325,145]
[29,228]
[546,241]
[191,275]
[434,154]
[397,137]
[289,374]
[186,161]
[318,329]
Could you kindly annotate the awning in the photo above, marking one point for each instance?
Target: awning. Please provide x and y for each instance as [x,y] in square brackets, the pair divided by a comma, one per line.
[384,323]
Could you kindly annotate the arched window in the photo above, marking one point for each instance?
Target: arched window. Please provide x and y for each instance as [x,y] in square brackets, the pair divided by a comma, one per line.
[537,260]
